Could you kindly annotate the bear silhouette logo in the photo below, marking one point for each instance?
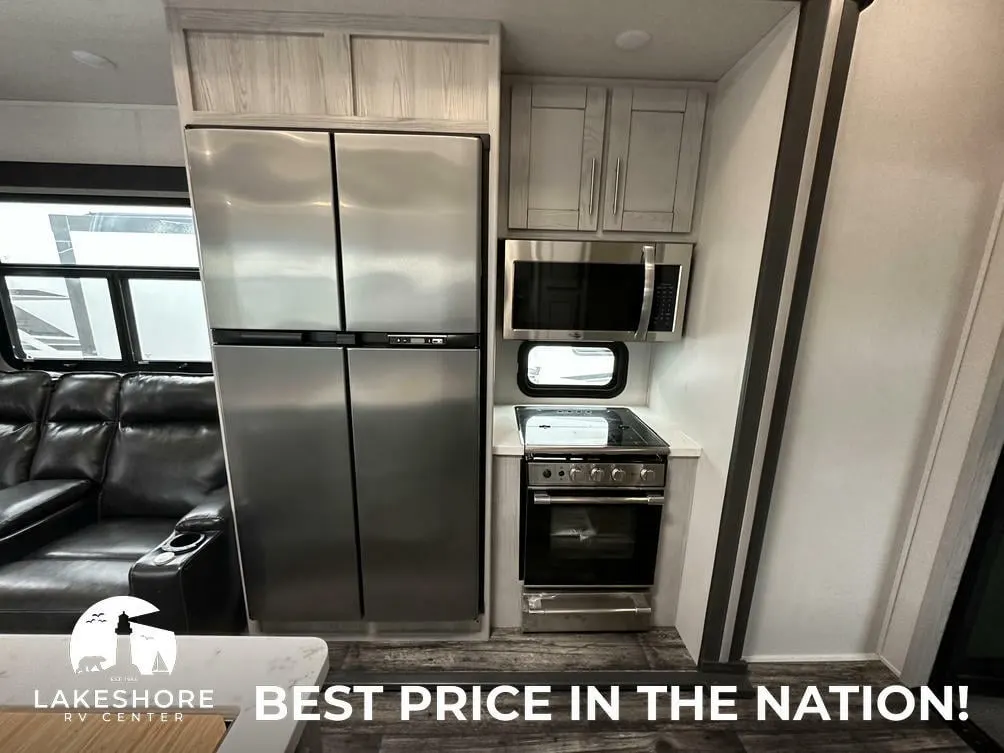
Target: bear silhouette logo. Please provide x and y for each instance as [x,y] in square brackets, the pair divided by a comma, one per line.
[90,664]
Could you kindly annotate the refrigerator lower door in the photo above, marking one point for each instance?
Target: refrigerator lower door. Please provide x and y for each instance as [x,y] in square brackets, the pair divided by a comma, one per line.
[409,212]
[416,432]
[287,441]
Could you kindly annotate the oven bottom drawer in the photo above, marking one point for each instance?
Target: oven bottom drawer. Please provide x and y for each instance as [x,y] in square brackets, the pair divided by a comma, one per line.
[577,612]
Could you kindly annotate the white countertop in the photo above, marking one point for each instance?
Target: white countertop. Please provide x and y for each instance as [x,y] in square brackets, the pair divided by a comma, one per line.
[506,440]
[230,666]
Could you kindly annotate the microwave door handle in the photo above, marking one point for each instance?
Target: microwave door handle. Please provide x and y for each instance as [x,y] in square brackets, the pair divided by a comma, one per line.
[648,257]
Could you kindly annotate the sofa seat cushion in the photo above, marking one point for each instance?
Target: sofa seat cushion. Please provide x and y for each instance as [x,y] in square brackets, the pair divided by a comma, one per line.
[123,538]
[61,585]
[31,501]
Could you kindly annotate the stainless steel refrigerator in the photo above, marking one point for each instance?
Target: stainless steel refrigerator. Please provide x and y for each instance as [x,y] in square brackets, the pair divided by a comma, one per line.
[343,281]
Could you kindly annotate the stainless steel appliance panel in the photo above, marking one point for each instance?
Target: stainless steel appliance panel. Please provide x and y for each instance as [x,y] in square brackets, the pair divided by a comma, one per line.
[409,216]
[649,282]
[416,429]
[287,440]
[264,215]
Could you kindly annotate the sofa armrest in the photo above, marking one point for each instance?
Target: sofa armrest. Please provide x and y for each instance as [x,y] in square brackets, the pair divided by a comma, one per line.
[28,503]
[213,514]
[195,591]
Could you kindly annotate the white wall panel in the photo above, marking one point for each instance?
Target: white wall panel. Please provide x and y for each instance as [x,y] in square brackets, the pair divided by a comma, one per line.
[90,133]
[918,165]
[696,382]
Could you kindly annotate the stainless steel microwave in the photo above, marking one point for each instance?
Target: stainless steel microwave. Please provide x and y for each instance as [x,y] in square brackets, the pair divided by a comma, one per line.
[570,290]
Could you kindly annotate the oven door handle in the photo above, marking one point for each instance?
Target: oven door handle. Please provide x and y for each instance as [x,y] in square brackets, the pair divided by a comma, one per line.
[543,498]
[648,292]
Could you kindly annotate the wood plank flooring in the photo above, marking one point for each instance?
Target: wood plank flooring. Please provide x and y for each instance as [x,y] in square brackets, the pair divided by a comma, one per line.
[632,732]
[512,651]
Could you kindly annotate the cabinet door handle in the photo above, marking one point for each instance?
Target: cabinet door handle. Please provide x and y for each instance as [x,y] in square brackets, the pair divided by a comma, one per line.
[617,183]
[592,185]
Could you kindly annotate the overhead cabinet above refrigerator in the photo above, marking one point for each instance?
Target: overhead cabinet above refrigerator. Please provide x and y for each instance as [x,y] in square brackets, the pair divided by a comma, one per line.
[343,285]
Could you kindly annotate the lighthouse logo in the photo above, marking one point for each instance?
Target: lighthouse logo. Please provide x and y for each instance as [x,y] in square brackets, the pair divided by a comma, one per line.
[110,640]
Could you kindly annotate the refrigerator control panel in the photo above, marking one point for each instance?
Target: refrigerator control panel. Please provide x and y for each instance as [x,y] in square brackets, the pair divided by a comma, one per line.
[416,339]
[408,340]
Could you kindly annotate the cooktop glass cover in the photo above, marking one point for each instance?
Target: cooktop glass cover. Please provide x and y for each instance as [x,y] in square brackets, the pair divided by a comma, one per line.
[584,428]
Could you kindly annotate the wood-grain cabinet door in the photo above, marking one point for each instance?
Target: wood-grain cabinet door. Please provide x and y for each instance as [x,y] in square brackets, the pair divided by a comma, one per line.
[556,152]
[269,73]
[652,160]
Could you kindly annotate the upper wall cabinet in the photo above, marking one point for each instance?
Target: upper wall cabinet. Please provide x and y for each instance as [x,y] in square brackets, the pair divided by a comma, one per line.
[290,74]
[556,153]
[575,166]
[267,68]
[655,147]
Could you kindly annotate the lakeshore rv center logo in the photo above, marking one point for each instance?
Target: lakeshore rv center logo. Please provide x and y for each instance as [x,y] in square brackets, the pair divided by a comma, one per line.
[111,651]
[109,639]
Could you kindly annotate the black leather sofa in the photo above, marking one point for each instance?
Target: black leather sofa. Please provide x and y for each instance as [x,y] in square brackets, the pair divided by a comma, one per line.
[100,476]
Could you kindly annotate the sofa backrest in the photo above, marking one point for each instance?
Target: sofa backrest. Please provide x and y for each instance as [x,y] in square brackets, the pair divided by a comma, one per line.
[166,452]
[78,428]
[23,397]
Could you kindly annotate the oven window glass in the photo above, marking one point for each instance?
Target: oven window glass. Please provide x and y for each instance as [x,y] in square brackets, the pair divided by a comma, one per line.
[572,370]
[590,545]
[579,533]
[577,296]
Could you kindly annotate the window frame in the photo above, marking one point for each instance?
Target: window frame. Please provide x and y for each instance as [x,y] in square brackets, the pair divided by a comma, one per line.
[122,185]
[618,380]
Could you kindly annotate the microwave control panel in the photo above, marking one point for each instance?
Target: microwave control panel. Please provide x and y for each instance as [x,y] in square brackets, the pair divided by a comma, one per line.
[667,283]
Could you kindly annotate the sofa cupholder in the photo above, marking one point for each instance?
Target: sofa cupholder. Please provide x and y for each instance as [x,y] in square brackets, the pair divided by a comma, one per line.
[183,542]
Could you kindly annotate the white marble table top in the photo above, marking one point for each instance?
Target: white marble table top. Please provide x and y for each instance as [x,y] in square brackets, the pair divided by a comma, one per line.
[230,666]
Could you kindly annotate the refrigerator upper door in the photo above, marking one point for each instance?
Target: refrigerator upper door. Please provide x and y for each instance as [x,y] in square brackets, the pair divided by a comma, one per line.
[410,222]
[416,430]
[264,214]
[287,439]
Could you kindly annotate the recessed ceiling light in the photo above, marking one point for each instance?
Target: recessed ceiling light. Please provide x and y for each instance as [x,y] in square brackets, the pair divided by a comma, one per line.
[94,61]
[632,40]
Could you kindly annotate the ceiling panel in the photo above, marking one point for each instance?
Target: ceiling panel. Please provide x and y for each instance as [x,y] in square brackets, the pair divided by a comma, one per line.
[691,39]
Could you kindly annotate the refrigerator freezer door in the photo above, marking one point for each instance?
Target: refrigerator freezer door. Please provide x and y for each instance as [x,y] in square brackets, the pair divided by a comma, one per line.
[409,216]
[264,215]
[287,439]
[415,427]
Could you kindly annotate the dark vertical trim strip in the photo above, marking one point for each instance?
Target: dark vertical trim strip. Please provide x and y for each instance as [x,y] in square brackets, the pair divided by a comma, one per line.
[796,317]
[483,408]
[355,488]
[120,310]
[123,291]
[336,218]
[806,64]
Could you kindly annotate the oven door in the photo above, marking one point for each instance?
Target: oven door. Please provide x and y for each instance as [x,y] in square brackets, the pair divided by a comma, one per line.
[591,539]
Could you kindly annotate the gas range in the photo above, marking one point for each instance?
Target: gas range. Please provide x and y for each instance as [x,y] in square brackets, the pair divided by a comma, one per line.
[593,491]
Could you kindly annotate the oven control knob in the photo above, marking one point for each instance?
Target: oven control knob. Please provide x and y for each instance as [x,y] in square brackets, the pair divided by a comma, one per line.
[647,474]
[575,474]
[617,474]
[596,474]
